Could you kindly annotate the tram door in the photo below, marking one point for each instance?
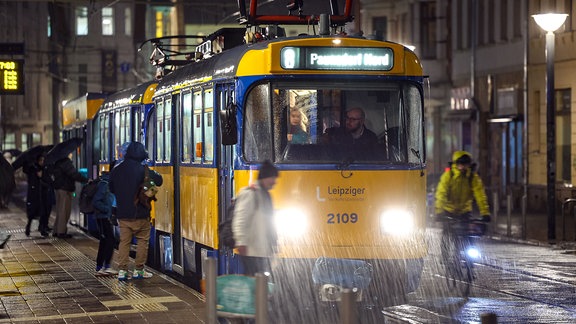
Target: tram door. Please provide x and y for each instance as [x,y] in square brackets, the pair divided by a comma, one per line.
[177,251]
[224,98]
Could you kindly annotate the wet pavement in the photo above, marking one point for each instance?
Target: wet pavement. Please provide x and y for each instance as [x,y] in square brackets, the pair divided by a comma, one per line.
[53,280]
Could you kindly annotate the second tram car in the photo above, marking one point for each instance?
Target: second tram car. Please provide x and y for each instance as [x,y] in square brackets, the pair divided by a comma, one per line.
[77,121]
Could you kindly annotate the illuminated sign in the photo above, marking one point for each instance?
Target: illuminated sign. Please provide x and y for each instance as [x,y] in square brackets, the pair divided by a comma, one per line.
[336,58]
[11,77]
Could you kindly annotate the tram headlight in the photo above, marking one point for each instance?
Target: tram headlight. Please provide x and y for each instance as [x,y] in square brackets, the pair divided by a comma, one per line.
[291,223]
[397,222]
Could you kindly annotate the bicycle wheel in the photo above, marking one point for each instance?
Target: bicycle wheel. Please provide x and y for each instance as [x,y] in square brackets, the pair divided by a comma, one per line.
[457,270]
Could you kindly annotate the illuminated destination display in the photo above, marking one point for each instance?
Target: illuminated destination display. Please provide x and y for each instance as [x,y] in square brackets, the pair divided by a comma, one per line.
[336,58]
[11,77]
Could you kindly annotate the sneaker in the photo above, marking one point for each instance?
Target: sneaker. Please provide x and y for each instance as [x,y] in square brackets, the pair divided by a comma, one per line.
[122,275]
[101,272]
[141,274]
[109,271]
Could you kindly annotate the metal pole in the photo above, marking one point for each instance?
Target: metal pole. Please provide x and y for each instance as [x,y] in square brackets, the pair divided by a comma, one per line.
[495,205]
[551,137]
[348,307]
[509,215]
[261,298]
[211,275]
[524,206]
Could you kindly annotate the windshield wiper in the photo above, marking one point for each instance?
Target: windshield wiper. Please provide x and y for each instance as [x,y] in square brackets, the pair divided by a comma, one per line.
[417,154]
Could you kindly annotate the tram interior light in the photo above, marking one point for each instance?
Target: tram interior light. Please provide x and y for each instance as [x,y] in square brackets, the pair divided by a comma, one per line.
[397,222]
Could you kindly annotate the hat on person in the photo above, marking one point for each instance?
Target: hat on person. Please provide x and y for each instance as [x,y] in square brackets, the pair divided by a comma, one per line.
[267,170]
[462,157]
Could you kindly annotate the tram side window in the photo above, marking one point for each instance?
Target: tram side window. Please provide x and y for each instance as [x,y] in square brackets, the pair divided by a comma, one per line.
[168,130]
[208,126]
[197,127]
[257,132]
[159,132]
[116,133]
[187,128]
[104,138]
[125,126]
[138,122]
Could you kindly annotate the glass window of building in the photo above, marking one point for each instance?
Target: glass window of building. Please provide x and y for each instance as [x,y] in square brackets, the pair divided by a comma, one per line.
[81,21]
[108,21]
[128,21]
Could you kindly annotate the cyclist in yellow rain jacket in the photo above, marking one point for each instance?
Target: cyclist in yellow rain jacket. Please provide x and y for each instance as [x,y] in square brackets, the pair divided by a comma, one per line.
[458,186]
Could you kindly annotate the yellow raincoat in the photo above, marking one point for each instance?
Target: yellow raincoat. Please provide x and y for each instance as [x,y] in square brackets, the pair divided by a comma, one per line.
[456,190]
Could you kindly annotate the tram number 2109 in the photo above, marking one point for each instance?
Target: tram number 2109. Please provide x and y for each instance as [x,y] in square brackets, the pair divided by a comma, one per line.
[343,218]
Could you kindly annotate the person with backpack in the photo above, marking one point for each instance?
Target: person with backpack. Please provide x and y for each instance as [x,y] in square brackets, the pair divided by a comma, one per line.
[102,201]
[252,223]
[457,188]
[133,216]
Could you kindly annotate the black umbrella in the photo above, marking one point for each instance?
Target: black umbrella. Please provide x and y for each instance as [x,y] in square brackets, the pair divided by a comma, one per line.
[30,155]
[61,150]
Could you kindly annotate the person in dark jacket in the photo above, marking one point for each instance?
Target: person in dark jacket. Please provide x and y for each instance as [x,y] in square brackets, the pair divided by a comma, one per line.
[102,202]
[7,180]
[38,202]
[65,177]
[133,216]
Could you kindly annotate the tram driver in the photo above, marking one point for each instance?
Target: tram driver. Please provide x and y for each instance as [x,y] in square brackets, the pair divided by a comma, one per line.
[355,131]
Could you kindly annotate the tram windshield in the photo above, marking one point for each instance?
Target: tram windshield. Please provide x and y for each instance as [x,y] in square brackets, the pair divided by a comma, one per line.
[330,122]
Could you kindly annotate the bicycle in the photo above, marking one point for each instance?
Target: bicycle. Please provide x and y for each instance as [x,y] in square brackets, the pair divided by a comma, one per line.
[459,252]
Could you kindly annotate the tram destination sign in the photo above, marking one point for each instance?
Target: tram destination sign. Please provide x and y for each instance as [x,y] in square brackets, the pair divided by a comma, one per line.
[337,58]
[11,77]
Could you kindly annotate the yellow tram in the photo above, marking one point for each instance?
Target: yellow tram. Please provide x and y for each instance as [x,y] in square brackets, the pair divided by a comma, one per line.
[341,205]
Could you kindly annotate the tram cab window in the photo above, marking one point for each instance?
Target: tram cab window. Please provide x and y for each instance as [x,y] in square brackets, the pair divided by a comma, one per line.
[257,132]
[334,122]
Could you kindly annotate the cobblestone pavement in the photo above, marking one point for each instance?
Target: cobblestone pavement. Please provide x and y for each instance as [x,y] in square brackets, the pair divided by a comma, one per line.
[53,280]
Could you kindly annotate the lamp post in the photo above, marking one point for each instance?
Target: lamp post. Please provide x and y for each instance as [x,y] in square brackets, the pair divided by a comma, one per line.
[550,22]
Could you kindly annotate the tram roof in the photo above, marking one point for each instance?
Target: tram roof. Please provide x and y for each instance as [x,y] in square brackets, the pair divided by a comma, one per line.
[140,94]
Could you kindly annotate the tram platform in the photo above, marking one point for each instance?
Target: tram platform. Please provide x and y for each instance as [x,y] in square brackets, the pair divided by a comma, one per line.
[53,280]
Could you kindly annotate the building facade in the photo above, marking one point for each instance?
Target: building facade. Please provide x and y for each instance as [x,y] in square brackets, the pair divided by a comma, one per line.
[71,48]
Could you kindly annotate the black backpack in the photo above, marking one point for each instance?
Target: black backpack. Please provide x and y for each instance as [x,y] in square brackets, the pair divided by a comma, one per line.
[87,195]
[225,235]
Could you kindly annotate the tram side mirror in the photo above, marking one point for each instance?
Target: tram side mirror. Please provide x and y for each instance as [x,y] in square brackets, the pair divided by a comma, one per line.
[228,128]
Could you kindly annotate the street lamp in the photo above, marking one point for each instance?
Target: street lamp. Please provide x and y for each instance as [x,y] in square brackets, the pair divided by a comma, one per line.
[550,22]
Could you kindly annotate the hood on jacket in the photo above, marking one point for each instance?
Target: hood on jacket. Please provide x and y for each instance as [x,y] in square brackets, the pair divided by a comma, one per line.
[459,154]
[136,151]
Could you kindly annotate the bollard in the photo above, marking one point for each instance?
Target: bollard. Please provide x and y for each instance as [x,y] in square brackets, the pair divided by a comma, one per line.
[348,307]
[488,318]
[211,275]
[261,298]
[496,206]
[509,215]
[524,207]
[568,201]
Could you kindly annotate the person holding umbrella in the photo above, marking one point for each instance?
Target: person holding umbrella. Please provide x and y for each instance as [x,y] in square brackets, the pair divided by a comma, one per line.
[64,175]
[38,202]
